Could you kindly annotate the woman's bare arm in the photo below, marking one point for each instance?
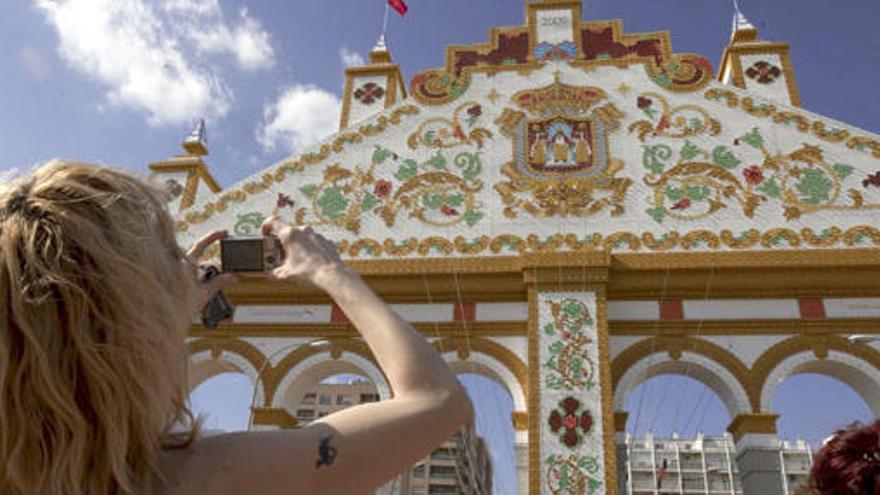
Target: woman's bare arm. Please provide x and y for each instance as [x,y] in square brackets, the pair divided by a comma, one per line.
[358,449]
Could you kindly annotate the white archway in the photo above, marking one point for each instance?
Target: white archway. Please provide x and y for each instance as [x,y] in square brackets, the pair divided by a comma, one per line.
[696,366]
[860,375]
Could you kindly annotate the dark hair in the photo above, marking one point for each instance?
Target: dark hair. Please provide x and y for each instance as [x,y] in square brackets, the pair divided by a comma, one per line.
[849,462]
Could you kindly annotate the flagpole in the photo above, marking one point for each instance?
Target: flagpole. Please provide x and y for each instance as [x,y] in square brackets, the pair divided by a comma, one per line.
[385,20]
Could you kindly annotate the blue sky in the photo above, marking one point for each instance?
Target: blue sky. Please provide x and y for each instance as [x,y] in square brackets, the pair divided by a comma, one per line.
[122,81]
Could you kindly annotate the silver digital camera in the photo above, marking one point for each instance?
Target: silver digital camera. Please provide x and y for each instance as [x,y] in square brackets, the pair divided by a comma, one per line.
[250,254]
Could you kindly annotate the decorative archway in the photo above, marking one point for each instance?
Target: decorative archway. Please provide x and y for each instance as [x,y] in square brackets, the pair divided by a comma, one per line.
[833,356]
[211,357]
[701,360]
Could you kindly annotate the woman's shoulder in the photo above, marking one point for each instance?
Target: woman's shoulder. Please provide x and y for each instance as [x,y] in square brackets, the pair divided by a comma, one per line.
[202,468]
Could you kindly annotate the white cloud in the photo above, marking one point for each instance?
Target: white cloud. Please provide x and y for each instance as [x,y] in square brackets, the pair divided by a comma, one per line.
[34,63]
[202,22]
[146,52]
[302,116]
[351,58]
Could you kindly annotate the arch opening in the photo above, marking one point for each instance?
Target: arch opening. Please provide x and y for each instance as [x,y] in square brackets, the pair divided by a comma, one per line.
[493,405]
[223,400]
[668,404]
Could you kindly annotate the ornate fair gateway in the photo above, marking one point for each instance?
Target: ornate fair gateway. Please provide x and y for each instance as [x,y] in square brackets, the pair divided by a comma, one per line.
[570,210]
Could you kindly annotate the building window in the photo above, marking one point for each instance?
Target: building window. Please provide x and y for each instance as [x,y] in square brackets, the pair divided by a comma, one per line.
[418,490]
[342,400]
[305,413]
[443,472]
[419,471]
[325,400]
[309,398]
[442,489]
[369,398]
[322,414]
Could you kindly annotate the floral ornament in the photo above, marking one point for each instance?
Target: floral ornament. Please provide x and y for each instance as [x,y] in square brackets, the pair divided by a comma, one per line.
[668,121]
[451,132]
[703,181]
[369,93]
[382,188]
[569,362]
[284,201]
[248,223]
[573,475]
[753,175]
[439,191]
[872,180]
[571,422]
[764,72]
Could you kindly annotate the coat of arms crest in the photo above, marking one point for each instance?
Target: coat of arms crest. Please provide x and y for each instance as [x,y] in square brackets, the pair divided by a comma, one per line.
[561,164]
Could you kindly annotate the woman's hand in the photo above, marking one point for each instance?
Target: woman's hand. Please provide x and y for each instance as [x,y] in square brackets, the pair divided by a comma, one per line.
[207,289]
[308,256]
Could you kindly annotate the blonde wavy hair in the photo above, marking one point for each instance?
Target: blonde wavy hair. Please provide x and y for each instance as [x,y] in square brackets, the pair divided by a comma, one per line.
[94,305]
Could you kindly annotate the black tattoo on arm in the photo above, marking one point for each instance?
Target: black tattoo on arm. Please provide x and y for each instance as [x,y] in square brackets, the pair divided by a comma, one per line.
[326,453]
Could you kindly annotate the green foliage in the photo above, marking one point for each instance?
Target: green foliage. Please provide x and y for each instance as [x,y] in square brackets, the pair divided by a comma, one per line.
[470,164]
[771,188]
[437,161]
[380,154]
[407,170]
[654,158]
[698,193]
[333,203]
[369,202]
[690,151]
[309,190]
[814,186]
[843,170]
[754,139]
[724,157]
[658,213]
[673,193]
[471,217]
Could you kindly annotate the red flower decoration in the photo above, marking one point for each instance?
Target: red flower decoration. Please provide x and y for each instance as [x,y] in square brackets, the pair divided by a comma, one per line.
[369,93]
[764,72]
[682,204]
[475,111]
[643,102]
[570,423]
[872,180]
[754,175]
[284,200]
[382,188]
[449,211]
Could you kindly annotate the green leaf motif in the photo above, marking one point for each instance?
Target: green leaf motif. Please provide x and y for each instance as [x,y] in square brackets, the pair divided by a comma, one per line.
[690,151]
[332,203]
[658,213]
[470,164]
[754,139]
[843,170]
[437,161]
[697,125]
[408,169]
[724,157]
[471,217]
[771,188]
[673,193]
[369,202]
[454,200]
[654,157]
[429,136]
[248,223]
[814,186]
[309,190]
[380,154]
[556,347]
[698,193]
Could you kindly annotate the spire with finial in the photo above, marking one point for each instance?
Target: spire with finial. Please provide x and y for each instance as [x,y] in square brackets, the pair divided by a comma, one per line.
[743,29]
[380,53]
[196,143]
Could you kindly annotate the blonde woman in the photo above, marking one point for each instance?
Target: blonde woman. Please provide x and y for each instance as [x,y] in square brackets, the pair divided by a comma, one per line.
[95,301]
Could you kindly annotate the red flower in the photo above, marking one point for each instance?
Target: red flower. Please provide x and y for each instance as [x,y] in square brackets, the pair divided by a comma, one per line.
[754,175]
[458,133]
[284,200]
[663,124]
[643,102]
[572,423]
[682,204]
[448,210]
[475,111]
[382,188]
